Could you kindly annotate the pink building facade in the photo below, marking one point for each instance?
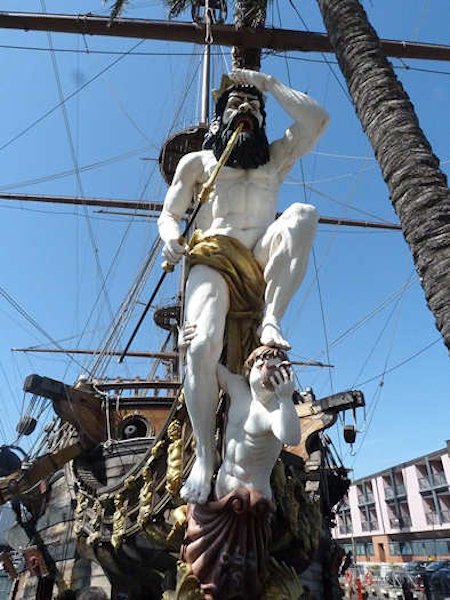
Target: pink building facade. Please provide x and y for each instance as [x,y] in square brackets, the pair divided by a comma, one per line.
[399,514]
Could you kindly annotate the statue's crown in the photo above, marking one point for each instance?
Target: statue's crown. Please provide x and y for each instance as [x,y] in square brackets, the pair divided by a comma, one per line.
[225,84]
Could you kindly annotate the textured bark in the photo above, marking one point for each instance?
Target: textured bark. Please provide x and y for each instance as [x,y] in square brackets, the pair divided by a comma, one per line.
[248,13]
[417,186]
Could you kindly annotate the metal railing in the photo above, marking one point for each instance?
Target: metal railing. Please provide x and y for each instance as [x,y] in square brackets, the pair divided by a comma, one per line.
[432,518]
[369,525]
[436,480]
[367,498]
[390,492]
[400,522]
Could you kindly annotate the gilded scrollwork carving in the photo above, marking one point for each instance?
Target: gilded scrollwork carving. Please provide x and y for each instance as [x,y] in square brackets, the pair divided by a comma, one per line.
[95,523]
[145,497]
[119,520]
[79,512]
[188,586]
[174,459]
[179,518]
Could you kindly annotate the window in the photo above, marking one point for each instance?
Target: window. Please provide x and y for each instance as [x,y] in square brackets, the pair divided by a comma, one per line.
[364,548]
[401,549]
[393,484]
[365,493]
[428,547]
[345,521]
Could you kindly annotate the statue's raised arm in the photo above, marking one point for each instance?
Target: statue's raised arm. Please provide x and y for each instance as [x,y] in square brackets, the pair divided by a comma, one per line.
[310,119]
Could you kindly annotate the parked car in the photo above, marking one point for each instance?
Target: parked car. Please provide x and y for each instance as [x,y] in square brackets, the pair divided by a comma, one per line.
[440,584]
[437,564]
[396,578]
[416,566]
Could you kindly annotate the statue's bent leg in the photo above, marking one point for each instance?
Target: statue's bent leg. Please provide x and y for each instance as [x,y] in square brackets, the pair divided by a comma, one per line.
[283,252]
[207,304]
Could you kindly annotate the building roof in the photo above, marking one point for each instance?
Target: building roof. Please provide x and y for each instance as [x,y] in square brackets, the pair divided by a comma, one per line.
[429,455]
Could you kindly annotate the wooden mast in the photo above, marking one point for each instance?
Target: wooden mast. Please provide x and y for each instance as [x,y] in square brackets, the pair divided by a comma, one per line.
[282,40]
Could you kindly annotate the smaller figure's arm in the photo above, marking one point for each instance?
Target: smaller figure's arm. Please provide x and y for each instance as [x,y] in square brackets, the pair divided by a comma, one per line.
[285,421]
[178,198]
[310,119]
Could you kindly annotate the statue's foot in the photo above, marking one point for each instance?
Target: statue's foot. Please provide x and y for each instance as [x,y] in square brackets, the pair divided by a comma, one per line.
[197,488]
[270,335]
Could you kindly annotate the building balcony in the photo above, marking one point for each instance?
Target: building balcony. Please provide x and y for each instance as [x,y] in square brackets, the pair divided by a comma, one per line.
[364,499]
[438,480]
[432,518]
[345,529]
[399,523]
[390,492]
[445,515]
[369,525]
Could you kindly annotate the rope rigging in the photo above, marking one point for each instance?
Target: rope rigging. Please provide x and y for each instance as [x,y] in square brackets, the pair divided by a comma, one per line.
[99,366]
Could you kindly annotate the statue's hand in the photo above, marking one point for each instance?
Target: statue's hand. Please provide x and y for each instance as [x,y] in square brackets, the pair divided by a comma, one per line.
[186,334]
[173,251]
[247,77]
[283,382]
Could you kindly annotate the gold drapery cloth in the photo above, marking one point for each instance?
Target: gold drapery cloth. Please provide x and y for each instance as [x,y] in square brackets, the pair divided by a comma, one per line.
[245,280]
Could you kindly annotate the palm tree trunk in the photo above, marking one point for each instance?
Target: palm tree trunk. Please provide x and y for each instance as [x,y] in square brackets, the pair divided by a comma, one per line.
[417,186]
[248,13]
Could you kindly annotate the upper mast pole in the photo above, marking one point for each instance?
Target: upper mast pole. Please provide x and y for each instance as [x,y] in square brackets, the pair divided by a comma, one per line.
[206,76]
[206,79]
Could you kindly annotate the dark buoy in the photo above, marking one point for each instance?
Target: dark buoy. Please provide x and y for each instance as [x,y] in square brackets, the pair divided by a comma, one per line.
[349,434]
[9,461]
[26,425]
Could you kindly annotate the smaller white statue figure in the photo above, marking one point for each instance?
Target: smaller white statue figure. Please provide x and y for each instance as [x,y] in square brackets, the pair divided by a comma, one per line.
[261,419]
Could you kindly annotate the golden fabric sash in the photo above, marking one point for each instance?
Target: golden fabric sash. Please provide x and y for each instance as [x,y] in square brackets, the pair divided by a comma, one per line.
[245,280]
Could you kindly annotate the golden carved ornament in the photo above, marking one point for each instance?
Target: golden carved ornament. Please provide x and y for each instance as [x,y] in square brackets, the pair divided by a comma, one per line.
[157,449]
[179,518]
[174,473]
[188,586]
[130,482]
[119,520]
[282,583]
[145,497]
[79,512]
[95,523]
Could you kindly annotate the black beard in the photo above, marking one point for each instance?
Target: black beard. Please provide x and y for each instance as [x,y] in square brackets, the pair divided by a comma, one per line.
[252,147]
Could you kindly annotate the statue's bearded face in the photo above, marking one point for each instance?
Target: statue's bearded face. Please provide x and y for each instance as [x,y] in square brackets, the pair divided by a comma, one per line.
[242,105]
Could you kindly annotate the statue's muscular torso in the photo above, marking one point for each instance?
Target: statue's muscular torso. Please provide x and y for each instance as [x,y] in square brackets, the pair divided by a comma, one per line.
[243,203]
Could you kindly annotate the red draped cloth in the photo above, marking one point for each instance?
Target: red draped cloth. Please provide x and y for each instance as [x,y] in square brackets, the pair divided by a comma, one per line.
[227,545]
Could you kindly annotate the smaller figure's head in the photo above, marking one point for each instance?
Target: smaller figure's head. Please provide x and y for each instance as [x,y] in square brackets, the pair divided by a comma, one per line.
[93,593]
[240,104]
[262,364]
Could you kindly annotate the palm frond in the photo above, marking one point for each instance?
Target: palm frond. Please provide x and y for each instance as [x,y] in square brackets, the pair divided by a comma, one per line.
[176,7]
[117,9]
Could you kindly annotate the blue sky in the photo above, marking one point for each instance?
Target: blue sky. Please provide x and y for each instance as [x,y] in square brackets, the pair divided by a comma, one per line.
[360,308]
